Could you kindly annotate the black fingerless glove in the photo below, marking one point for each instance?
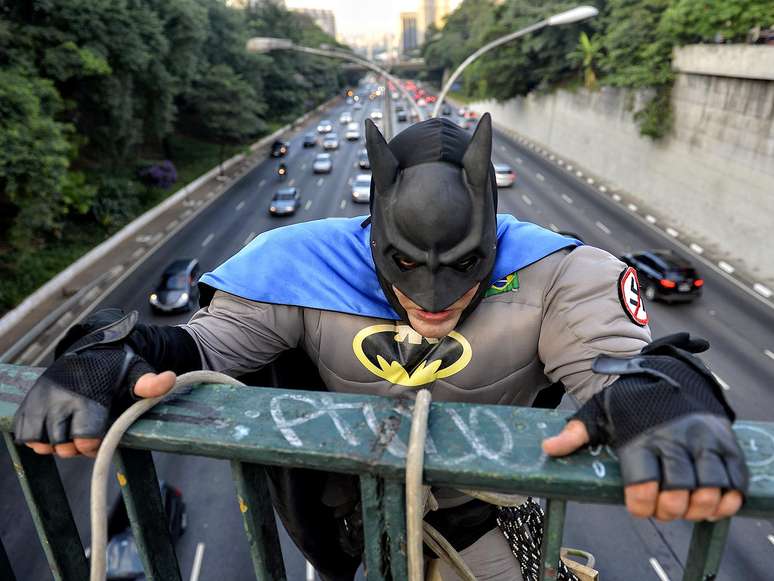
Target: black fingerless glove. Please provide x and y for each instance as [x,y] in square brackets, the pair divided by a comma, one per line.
[667,418]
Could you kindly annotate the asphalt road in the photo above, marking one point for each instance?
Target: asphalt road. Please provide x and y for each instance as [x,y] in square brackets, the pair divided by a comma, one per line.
[740,328]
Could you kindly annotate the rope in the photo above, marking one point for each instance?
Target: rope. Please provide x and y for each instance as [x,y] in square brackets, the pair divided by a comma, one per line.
[415,499]
[99,476]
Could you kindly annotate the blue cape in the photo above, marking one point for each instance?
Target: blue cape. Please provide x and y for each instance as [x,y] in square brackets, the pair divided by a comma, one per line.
[327,264]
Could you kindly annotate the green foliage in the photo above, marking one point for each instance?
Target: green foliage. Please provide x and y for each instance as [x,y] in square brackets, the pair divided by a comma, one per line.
[628,45]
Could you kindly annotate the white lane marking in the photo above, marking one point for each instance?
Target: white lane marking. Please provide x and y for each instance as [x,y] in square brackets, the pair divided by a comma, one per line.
[526,199]
[567,198]
[579,174]
[696,248]
[768,353]
[308,204]
[632,207]
[602,189]
[771,539]
[137,253]
[292,181]
[171,225]
[319,181]
[720,381]
[552,157]
[554,227]
[303,166]
[208,239]
[616,197]
[261,183]
[660,573]
[560,162]
[604,228]
[651,219]
[197,562]
[519,160]
[726,267]
[343,204]
[249,238]
[240,205]
[672,232]
[309,572]
[762,290]
[590,181]
[569,167]
[540,177]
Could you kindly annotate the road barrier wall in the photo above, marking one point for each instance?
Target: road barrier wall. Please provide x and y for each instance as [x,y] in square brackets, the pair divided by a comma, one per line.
[713,176]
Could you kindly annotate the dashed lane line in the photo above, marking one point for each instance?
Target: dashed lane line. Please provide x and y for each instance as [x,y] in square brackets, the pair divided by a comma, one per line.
[725,267]
[590,181]
[319,182]
[292,181]
[554,227]
[763,290]
[526,199]
[616,197]
[602,189]
[632,207]
[696,248]
[660,573]
[197,562]
[249,238]
[303,166]
[771,539]
[208,239]
[560,162]
[579,174]
[651,219]
[602,227]
[770,354]
[240,205]
[720,381]
[260,184]
[308,204]
[137,253]
[672,232]
[567,198]
[343,204]
[540,177]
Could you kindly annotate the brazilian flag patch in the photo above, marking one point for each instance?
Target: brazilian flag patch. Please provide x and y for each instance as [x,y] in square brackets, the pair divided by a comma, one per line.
[506,284]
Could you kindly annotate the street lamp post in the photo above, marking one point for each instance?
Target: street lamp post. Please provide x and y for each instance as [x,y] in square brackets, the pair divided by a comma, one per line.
[567,17]
[265,44]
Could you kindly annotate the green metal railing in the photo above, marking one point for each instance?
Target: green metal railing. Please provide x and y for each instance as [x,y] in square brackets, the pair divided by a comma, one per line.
[469,446]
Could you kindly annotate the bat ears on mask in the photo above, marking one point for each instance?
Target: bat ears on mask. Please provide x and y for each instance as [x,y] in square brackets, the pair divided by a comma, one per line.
[384,165]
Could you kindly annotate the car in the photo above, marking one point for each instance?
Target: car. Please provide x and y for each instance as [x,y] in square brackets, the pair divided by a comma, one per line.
[177,291]
[279,148]
[345,118]
[402,116]
[665,275]
[362,159]
[331,141]
[353,131]
[446,110]
[325,126]
[375,115]
[285,202]
[504,175]
[322,163]
[361,188]
[310,140]
[122,555]
[350,100]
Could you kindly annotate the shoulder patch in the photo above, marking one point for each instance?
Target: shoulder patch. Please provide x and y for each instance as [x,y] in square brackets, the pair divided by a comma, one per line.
[506,284]
[629,295]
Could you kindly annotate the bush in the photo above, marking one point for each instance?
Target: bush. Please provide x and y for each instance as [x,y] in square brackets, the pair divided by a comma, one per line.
[118,201]
[159,175]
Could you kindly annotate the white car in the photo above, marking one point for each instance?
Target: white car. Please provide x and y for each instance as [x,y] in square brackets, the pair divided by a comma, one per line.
[331,141]
[322,163]
[504,175]
[353,131]
[325,126]
[361,188]
[345,118]
[375,115]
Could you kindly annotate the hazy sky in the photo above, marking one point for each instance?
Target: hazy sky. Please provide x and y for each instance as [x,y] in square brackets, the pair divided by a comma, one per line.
[356,17]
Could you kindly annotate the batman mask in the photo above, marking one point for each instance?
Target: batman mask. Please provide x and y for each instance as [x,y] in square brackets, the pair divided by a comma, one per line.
[433,212]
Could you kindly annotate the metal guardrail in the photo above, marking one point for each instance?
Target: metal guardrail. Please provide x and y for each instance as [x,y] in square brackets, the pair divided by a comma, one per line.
[469,446]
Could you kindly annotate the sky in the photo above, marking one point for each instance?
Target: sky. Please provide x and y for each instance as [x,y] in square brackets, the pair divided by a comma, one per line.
[362,17]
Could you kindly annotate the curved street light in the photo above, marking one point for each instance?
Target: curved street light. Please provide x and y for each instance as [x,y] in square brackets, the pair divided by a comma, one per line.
[567,17]
[266,44]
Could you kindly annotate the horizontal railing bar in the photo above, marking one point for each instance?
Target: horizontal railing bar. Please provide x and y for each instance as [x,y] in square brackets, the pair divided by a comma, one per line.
[473,446]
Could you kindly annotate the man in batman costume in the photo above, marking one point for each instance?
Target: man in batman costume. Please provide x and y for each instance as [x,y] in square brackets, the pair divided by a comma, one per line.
[433,290]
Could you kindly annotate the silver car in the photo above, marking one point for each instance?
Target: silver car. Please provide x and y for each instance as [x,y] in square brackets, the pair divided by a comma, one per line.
[504,175]
[353,131]
[376,115]
[325,126]
[322,163]
[345,118]
[331,141]
[361,188]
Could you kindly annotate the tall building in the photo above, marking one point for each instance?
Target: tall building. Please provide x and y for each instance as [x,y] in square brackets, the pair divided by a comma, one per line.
[324,18]
[408,32]
[432,12]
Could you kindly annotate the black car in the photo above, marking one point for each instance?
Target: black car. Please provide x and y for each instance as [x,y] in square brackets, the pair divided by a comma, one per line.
[279,148]
[446,110]
[123,556]
[665,275]
[310,140]
[362,159]
[177,290]
[401,116]
[285,202]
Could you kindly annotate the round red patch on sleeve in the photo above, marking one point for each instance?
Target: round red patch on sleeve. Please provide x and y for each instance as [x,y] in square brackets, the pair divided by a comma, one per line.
[629,295]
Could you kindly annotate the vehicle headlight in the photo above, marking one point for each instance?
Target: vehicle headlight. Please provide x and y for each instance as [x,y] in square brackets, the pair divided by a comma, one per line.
[183,299]
[154,298]
[273,208]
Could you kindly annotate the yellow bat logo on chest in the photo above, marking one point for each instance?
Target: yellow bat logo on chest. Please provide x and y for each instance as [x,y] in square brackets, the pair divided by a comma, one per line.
[402,356]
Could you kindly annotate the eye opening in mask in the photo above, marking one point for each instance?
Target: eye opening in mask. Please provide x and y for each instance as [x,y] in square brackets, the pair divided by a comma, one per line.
[467,263]
[404,262]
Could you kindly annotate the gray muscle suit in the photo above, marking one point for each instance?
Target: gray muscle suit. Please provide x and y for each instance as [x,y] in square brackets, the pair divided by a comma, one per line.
[546,325]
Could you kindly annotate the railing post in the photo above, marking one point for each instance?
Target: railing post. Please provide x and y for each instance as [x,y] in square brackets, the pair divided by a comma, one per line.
[139,484]
[5,565]
[553,529]
[707,543]
[258,519]
[50,512]
[395,524]
[377,544]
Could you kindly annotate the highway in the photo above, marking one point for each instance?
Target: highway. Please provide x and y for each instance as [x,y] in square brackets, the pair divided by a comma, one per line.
[739,327]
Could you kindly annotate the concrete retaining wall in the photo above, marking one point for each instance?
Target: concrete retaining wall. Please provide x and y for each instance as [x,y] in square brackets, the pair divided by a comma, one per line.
[713,177]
